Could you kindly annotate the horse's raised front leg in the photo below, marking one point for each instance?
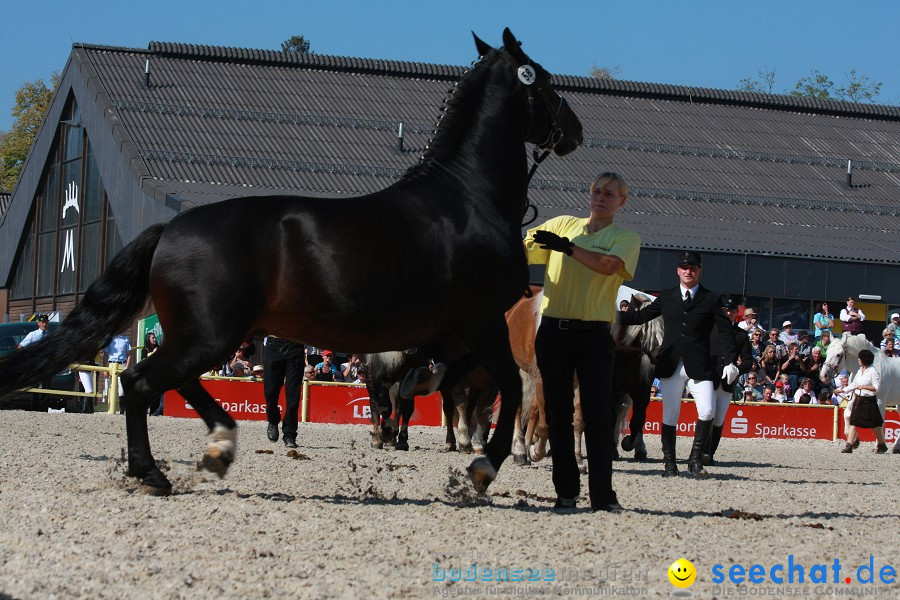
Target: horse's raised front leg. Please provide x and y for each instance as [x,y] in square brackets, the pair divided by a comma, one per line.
[222,447]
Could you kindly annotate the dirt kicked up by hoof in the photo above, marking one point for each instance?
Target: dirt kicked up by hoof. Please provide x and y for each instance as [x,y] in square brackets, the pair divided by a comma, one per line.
[482,473]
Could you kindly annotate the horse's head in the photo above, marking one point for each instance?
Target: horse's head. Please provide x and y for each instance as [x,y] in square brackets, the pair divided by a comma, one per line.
[834,357]
[549,121]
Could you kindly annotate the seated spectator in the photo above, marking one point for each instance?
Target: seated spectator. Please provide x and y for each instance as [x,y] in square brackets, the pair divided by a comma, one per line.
[770,365]
[750,387]
[823,320]
[793,366]
[624,306]
[894,326]
[654,391]
[804,390]
[888,349]
[239,365]
[756,345]
[309,373]
[841,394]
[768,394]
[780,349]
[886,334]
[836,382]
[350,368]
[814,364]
[824,397]
[361,375]
[787,335]
[749,323]
[325,370]
[778,395]
[257,372]
[786,385]
[803,340]
[823,342]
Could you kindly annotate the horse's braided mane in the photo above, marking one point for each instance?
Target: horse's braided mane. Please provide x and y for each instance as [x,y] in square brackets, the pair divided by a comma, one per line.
[451,111]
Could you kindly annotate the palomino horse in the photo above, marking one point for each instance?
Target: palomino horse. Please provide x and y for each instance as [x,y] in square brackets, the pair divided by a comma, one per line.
[445,240]
[636,347]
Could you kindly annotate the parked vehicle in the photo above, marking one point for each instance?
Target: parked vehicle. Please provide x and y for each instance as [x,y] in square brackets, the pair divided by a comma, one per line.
[11,334]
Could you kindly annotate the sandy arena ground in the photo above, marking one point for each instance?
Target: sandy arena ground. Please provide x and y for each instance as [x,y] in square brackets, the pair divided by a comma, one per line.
[341,520]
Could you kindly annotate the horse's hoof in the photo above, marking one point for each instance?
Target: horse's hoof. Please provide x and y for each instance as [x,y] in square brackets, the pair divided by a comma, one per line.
[533,456]
[482,473]
[377,444]
[628,443]
[449,447]
[466,448]
[401,445]
[479,450]
[155,483]
[221,450]
[520,459]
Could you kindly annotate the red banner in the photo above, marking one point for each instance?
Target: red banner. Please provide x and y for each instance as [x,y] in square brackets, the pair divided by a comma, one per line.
[776,421]
[325,403]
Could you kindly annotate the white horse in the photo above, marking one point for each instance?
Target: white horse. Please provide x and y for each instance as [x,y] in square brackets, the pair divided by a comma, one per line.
[843,353]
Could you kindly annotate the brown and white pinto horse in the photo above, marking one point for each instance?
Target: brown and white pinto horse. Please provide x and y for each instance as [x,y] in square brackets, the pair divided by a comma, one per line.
[636,348]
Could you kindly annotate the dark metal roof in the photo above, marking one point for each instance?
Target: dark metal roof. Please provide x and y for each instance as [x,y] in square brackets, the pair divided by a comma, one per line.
[712,170]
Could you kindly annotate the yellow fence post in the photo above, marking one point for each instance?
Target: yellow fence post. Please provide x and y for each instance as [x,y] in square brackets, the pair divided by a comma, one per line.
[834,431]
[304,402]
[113,394]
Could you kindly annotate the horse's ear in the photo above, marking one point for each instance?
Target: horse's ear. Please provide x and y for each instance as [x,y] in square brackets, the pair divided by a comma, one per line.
[481,46]
[513,46]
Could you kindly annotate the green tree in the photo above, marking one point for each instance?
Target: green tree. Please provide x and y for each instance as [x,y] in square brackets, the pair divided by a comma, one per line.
[297,44]
[605,72]
[859,88]
[763,84]
[32,101]
[817,86]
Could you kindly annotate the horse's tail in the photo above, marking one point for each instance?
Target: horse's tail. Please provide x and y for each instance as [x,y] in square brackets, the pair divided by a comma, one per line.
[109,305]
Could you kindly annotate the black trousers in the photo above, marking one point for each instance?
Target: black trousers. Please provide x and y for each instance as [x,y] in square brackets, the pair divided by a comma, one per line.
[283,363]
[562,354]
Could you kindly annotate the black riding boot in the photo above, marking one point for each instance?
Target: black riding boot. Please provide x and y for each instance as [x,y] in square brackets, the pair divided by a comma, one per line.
[701,436]
[668,448]
[709,455]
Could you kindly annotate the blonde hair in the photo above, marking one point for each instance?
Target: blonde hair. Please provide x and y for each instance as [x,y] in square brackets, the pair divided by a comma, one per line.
[604,178]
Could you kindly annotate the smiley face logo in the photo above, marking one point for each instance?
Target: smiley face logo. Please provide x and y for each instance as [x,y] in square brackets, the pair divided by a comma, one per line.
[682,573]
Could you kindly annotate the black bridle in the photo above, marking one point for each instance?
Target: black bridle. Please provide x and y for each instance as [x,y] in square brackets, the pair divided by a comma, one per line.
[554,137]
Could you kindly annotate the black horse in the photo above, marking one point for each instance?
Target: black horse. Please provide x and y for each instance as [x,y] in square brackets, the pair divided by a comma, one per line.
[444,241]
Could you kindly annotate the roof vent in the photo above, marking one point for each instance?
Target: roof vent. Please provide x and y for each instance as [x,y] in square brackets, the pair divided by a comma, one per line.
[400,138]
[147,73]
[849,173]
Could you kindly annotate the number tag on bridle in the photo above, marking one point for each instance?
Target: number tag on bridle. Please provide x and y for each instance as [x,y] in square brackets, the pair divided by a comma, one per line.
[526,74]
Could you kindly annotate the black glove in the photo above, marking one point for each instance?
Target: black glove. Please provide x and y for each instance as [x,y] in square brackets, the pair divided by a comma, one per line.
[551,241]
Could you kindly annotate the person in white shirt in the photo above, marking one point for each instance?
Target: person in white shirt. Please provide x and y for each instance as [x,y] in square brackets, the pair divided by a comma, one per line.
[787,334]
[852,317]
[749,323]
[866,412]
[38,334]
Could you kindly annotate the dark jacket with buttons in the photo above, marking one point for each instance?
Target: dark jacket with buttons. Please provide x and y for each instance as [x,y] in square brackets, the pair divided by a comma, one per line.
[686,332]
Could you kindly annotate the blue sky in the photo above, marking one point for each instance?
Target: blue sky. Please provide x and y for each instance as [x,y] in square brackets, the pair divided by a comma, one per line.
[701,43]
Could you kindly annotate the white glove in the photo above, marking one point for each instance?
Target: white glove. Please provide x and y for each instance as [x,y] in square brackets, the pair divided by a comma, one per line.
[730,373]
